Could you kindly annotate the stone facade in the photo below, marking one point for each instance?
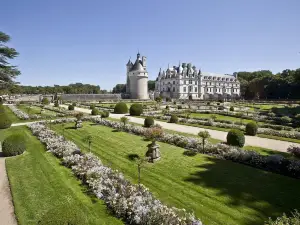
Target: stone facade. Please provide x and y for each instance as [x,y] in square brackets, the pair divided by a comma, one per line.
[187,82]
[137,78]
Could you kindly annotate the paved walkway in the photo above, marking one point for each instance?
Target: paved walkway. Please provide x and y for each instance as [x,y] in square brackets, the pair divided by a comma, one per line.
[7,215]
[221,135]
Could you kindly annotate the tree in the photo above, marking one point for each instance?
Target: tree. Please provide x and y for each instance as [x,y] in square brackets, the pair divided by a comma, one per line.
[151,85]
[89,140]
[119,88]
[204,135]
[8,72]
[124,120]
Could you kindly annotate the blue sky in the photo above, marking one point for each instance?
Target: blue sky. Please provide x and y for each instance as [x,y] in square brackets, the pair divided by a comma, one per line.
[67,41]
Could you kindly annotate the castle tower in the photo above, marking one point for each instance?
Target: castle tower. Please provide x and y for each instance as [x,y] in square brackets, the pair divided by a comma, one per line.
[137,81]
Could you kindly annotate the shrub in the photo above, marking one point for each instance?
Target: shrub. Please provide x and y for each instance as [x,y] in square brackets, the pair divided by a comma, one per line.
[95,112]
[148,122]
[153,133]
[104,114]
[74,104]
[285,119]
[251,128]
[136,109]
[56,104]
[208,103]
[294,150]
[167,107]
[236,138]
[45,101]
[179,107]
[174,119]
[168,99]
[5,122]
[121,108]
[13,145]
[2,109]
[92,106]
[71,107]
[79,115]
[285,220]
[218,103]
[231,108]
[158,99]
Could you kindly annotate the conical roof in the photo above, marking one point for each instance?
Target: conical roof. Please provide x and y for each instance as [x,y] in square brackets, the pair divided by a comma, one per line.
[137,66]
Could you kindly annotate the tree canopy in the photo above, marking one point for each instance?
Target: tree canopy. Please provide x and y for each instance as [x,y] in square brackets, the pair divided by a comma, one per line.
[77,88]
[266,85]
[8,72]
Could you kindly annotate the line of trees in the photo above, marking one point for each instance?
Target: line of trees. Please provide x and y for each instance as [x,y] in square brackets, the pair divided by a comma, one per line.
[77,88]
[264,84]
[121,88]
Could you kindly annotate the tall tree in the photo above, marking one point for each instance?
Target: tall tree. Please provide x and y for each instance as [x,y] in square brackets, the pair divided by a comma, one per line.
[8,72]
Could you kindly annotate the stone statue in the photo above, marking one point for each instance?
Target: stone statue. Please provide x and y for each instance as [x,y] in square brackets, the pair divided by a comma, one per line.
[153,153]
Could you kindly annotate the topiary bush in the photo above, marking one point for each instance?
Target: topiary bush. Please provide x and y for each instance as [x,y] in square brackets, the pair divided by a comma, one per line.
[105,114]
[149,121]
[74,104]
[136,109]
[251,128]
[5,122]
[121,108]
[56,104]
[174,119]
[236,138]
[179,107]
[231,108]
[95,112]
[45,101]
[71,107]
[13,145]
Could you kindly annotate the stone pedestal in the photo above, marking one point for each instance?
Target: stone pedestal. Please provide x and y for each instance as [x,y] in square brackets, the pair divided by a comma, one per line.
[78,124]
[153,152]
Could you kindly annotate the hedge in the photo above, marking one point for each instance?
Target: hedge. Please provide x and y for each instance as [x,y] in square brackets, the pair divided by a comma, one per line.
[136,109]
[121,108]
[13,145]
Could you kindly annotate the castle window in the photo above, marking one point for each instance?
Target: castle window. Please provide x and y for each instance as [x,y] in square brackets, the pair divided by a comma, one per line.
[184,89]
[190,82]
[173,88]
[209,83]
[195,89]
[190,88]
[195,82]
[174,82]
[207,89]
[185,82]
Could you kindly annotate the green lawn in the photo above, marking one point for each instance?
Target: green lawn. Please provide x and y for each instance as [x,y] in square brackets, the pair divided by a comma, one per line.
[36,110]
[219,117]
[218,191]
[11,115]
[40,184]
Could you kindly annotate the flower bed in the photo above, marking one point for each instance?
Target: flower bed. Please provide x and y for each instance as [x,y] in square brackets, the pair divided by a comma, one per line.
[134,204]
[22,115]
[273,163]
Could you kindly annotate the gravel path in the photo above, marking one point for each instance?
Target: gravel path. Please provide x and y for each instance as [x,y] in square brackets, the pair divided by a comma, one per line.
[7,215]
[221,135]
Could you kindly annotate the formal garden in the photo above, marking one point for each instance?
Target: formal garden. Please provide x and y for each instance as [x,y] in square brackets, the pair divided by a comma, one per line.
[92,169]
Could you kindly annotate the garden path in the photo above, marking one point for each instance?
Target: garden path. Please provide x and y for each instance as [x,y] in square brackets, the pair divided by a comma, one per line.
[221,135]
[7,215]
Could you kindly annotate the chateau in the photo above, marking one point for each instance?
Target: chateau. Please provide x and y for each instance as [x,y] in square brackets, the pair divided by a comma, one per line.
[187,82]
[137,78]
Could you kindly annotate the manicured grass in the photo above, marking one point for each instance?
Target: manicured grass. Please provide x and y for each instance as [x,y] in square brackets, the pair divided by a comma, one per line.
[218,191]
[40,184]
[36,110]
[11,115]
[266,151]
[279,138]
[219,117]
